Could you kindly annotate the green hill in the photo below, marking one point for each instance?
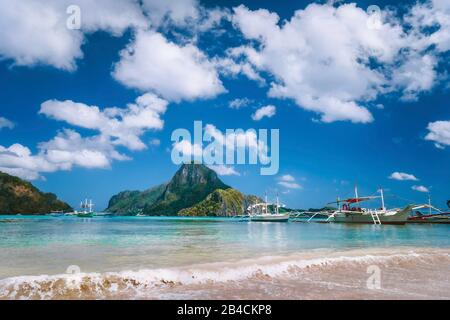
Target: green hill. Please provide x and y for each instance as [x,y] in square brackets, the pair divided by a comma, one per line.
[191,184]
[19,196]
[194,190]
[132,202]
[221,202]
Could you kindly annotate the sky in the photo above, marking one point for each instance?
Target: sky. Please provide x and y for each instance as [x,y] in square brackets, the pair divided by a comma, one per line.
[90,95]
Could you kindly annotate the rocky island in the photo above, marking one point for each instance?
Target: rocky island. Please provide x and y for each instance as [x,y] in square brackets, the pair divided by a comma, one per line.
[194,190]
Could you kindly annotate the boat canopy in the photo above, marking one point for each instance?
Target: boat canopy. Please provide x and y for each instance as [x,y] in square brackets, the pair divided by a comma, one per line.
[355,200]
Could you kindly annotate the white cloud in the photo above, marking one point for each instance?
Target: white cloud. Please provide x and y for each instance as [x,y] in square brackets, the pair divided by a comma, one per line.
[212,18]
[187,148]
[187,15]
[5,123]
[152,63]
[179,12]
[18,160]
[239,103]
[289,185]
[229,141]
[34,31]
[289,182]
[247,139]
[267,111]
[287,178]
[223,170]
[63,152]
[69,149]
[232,68]
[124,125]
[401,176]
[416,75]
[435,14]
[322,57]
[113,127]
[154,142]
[420,188]
[439,132]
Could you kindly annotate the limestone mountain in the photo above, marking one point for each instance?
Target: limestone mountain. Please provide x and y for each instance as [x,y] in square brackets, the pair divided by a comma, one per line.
[191,184]
[19,196]
[132,202]
[221,203]
[194,190]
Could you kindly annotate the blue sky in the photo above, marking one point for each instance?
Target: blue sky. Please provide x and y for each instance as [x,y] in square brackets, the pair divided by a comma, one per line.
[353,103]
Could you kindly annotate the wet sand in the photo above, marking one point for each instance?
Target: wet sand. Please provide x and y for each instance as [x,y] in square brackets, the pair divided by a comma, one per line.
[375,273]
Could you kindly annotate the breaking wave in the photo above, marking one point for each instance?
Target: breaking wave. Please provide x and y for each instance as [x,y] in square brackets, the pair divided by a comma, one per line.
[147,283]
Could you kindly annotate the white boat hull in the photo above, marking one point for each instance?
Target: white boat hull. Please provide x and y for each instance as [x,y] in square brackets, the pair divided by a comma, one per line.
[396,217]
[270,218]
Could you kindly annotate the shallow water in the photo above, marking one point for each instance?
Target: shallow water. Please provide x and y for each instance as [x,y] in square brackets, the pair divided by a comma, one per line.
[158,258]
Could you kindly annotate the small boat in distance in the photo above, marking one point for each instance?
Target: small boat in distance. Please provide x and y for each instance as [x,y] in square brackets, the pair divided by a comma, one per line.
[56,213]
[86,207]
[347,213]
[259,212]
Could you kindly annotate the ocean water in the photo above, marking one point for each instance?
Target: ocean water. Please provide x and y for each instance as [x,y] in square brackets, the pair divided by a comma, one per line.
[44,257]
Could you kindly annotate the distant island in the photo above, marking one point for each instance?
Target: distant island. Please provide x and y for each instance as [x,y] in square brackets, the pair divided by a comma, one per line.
[19,196]
[194,190]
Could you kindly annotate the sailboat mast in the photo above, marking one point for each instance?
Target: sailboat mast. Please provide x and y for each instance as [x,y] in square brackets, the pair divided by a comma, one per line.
[382,200]
[277,204]
[265,201]
[356,191]
[429,204]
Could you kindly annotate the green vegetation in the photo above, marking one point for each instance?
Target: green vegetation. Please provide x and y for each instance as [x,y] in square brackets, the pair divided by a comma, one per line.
[194,190]
[221,202]
[133,202]
[191,184]
[19,196]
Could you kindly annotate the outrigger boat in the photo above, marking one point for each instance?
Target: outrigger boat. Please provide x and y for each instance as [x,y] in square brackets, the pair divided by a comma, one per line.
[259,212]
[434,215]
[348,213]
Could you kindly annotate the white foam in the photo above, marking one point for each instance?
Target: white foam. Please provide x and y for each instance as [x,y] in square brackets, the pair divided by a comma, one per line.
[141,281]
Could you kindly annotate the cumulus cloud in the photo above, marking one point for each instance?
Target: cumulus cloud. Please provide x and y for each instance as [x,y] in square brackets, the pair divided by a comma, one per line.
[289,182]
[267,111]
[420,188]
[34,31]
[239,103]
[337,64]
[179,12]
[415,76]
[439,132]
[5,123]
[187,148]
[63,152]
[19,161]
[230,141]
[176,72]
[123,125]
[223,170]
[401,176]
[113,127]
[434,14]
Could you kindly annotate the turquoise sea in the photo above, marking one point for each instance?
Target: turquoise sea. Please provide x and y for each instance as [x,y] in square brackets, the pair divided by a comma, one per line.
[170,257]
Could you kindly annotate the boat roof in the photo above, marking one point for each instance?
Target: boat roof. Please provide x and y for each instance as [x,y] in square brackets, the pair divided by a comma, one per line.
[355,200]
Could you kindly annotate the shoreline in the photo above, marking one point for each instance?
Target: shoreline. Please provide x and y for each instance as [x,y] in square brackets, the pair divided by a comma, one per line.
[318,274]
